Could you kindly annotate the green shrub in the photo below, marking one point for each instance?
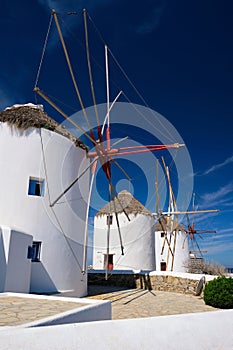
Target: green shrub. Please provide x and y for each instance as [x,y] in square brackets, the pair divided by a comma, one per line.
[219,293]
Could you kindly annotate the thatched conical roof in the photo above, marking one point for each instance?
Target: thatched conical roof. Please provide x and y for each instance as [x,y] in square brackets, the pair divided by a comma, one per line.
[32,116]
[128,202]
[168,224]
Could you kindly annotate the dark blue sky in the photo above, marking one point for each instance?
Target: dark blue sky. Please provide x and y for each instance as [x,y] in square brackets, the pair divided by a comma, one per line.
[179,55]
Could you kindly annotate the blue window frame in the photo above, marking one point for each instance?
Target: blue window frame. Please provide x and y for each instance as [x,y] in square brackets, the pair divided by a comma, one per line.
[36,187]
[34,251]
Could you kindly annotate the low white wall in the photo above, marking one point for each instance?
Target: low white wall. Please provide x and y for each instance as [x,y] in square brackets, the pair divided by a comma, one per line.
[191,276]
[92,311]
[203,331]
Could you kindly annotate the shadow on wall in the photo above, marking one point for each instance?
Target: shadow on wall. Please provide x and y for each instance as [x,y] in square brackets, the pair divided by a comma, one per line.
[15,266]
[41,282]
[2,264]
[125,280]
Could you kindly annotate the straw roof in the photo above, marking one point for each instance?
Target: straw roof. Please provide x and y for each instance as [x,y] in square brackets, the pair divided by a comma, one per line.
[167,224]
[128,202]
[32,116]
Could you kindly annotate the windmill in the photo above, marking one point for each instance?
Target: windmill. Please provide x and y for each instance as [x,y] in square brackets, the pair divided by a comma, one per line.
[176,237]
[168,227]
[192,233]
[105,152]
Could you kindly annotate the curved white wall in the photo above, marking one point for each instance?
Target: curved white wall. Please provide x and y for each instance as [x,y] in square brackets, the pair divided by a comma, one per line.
[41,153]
[181,254]
[138,242]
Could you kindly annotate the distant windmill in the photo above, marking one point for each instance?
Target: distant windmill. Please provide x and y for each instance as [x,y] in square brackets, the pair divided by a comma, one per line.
[168,225]
[169,233]
[193,233]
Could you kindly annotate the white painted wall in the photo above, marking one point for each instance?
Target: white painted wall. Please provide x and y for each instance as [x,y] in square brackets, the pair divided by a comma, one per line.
[15,267]
[61,229]
[203,331]
[138,241]
[181,254]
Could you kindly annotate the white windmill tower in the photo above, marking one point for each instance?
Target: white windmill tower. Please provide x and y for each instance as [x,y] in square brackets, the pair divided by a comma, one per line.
[137,235]
[172,249]
[41,248]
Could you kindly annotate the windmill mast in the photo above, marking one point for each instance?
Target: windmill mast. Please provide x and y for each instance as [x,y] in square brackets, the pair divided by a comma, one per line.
[103,153]
[157,187]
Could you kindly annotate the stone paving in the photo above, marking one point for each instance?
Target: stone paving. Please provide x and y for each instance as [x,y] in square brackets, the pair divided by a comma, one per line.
[126,303]
[15,310]
[137,303]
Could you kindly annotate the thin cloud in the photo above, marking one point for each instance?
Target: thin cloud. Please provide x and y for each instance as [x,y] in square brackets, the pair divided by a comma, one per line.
[225,230]
[218,247]
[70,5]
[218,166]
[222,235]
[204,221]
[220,242]
[152,20]
[219,237]
[58,6]
[217,196]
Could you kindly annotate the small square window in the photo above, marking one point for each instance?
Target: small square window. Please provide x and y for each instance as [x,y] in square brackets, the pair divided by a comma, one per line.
[34,251]
[36,187]
[162,234]
[109,220]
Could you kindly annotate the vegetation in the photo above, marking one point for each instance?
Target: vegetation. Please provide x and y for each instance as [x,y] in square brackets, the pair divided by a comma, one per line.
[219,293]
[201,266]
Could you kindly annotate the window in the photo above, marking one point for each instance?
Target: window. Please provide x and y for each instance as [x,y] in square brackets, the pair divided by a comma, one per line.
[36,187]
[162,234]
[109,220]
[34,251]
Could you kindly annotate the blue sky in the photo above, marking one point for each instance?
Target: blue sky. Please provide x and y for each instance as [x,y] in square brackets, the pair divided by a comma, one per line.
[178,54]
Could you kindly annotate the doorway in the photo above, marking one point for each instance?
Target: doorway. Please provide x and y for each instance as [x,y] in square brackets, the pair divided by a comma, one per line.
[163,266]
[108,263]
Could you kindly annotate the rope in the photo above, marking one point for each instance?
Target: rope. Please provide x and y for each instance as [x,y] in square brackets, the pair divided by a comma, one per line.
[96,29]
[43,52]
[136,90]
[167,135]
[115,84]
[126,76]
[47,99]
[74,182]
[71,70]
[89,68]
